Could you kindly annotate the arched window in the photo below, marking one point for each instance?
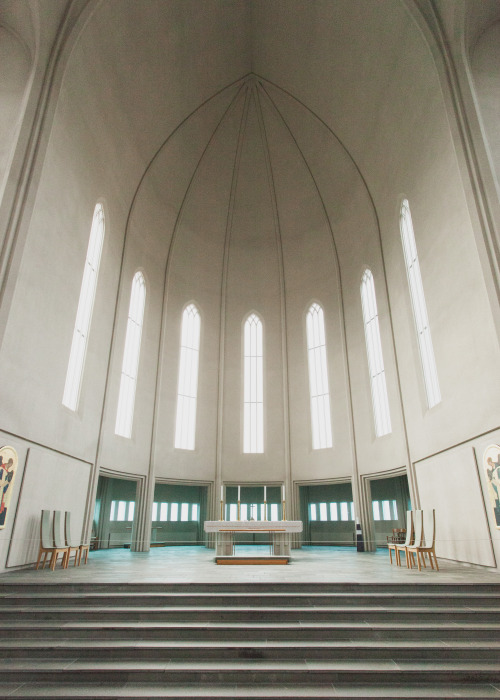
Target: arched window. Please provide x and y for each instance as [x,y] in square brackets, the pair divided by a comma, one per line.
[187,392]
[321,423]
[84,313]
[253,386]
[419,307]
[131,352]
[375,359]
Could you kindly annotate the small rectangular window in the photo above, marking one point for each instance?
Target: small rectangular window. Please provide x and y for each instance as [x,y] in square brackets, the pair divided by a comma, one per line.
[174,512]
[262,512]
[154,514]
[112,512]
[243,511]
[163,512]
[312,511]
[274,512]
[394,510]
[323,512]
[122,508]
[184,512]
[131,509]
[333,512]
[233,511]
[195,512]
[344,511]
[351,507]
[386,510]
[376,510]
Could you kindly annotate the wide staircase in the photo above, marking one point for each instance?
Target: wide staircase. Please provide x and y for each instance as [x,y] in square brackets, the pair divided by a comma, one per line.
[250,641]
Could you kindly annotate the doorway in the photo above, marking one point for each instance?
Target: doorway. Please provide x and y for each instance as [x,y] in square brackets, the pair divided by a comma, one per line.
[179,511]
[114,513]
[327,512]
[390,499]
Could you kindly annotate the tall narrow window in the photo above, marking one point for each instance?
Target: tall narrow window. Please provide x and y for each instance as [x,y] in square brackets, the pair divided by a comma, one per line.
[318,379]
[81,330]
[419,307]
[253,394]
[375,359]
[131,352]
[187,392]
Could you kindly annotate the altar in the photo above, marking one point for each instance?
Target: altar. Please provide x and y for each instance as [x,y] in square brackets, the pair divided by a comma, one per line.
[280,531]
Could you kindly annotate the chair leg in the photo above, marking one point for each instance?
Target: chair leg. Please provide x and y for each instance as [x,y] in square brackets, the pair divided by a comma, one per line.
[53,560]
[83,549]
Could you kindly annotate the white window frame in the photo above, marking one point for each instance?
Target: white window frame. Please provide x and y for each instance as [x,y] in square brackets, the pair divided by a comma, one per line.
[187,388]
[422,327]
[253,385]
[76,363]
[131,354]
[319,392]
[380,399]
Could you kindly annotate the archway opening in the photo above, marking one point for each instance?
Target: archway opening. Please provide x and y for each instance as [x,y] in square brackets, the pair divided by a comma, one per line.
[114,513]
[179,511]
[327,512]
[390,499]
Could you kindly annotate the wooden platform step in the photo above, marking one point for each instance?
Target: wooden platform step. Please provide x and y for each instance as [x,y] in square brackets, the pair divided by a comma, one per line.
[249,560]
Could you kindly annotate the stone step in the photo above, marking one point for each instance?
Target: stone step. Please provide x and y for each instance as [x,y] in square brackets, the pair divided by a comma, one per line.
[143,630]
[252,671]
[141,599]
[133,650]
[368,614]
[131,691]
[416,588]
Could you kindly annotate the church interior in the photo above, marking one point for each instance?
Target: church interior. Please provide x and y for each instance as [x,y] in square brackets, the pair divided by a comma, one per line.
[250,271]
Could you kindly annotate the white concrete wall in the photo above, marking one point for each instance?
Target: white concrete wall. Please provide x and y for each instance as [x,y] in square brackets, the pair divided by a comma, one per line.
[267,214]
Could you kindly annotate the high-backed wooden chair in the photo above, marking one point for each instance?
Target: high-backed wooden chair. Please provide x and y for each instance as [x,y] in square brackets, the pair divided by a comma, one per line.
[391,546]
[411,534]
[60,546]
[70,544]
[418,539]
[46,542]
[47,545]
[427,542]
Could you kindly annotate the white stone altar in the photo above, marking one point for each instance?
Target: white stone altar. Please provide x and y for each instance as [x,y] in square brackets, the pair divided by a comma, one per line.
[280,531]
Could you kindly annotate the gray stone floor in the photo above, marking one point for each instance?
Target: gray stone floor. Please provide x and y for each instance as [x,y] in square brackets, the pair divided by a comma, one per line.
[196,564]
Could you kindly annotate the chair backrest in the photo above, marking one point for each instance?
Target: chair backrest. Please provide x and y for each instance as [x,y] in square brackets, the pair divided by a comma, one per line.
[58,536]
[419,528]
[429,527]
[67,531]
[409,528]
[46,538]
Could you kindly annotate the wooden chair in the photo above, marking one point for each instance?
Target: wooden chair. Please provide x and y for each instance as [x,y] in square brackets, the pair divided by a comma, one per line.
[72,547]
[46,545]
[391,545]
[84,548]
[60,546]
[398,537]
[47,542]
[418,539]
[427,542]
[411,534]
